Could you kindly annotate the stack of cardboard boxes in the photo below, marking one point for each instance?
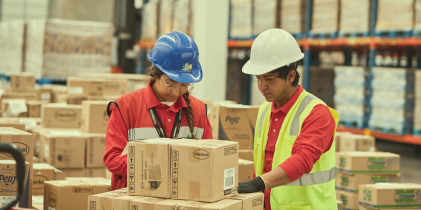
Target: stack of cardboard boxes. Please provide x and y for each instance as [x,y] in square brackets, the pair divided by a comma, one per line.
[160,176]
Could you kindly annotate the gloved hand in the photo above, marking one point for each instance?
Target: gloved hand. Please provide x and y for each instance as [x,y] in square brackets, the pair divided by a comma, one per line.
[252,186]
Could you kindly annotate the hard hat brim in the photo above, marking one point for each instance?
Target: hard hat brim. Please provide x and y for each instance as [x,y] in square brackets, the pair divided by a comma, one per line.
[257,69]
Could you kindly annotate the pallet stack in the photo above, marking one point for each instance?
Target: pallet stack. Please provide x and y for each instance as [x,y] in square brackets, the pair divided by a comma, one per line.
[354,18]
[417,109]
[293,15]
[325,18]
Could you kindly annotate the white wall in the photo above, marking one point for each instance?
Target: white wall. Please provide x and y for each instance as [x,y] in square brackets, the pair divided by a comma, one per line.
[210,31]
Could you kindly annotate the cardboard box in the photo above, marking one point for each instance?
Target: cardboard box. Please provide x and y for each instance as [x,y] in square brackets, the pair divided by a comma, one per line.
[390,195]
[148,167]
[34,108]
[102,201]
[22,81]
[95,147]
[66,194]
[63,149]
[19,126]
[367,162]
[38,201]
[99,184]
[235,123]
[349,200]
[94,116]
[156,203]
[350,182]
[42,172]
[121,202]
[246,154]
[65,173]
[251,201]
[340,204]
[214,159]
[167,164]
[368,208]
[95,172]
[357,143]
[245,170]
[225,204]
[27,95]
[29,123]
[8,180]
[338,136]
[61,116]
[96,86]
[14,108]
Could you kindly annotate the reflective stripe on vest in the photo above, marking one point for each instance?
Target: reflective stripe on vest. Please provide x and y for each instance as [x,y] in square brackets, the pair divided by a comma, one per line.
[314,178]
[311,178]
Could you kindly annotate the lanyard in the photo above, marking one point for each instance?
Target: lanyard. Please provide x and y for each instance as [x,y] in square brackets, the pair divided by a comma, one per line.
[160,130]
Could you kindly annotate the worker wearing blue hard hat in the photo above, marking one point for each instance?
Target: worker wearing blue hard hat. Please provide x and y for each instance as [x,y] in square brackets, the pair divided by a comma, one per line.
[163,109]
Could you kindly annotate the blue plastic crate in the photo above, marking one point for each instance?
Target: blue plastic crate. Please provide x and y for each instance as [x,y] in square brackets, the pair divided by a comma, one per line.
[393,33]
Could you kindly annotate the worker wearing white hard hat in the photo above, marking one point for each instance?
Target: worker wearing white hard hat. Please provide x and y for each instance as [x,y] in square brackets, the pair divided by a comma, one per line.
[294,152]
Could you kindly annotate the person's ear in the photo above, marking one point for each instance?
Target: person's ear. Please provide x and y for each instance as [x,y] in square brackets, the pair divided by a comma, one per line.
[291,76]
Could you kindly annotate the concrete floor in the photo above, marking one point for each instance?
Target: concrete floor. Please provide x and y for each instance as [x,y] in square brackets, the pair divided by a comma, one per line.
[410,159]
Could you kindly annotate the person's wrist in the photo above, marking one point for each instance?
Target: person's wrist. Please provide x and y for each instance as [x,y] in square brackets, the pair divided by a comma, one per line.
[260,184]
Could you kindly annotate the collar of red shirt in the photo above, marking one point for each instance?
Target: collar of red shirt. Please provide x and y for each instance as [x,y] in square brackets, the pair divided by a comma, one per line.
[286,107]
[152,101]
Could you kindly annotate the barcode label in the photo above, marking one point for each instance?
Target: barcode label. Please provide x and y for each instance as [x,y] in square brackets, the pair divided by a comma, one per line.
[229,178]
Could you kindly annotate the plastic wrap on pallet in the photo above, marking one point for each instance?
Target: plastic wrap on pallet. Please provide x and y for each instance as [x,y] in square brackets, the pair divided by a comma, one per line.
[264,15]
[293,16]
[57,49]
[11,45]
[355,16]
[241,19]
[325,17]
[182,15]
[395,15]
[149,21]
[165,16]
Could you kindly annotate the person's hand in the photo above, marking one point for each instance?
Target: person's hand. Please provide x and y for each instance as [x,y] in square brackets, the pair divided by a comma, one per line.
[252,186]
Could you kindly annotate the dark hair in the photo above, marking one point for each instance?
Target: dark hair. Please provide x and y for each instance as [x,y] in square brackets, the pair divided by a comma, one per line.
[155,73]
[284,71]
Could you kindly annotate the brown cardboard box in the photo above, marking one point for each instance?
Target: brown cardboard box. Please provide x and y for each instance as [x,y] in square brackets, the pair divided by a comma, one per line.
[214,159]
[22,81]
[350,182]
[338,137]
[168,163]
[349,200]
[390,195]
[95,146]
[66,194]
[95,172]
[225,204]
[29,123]
[14,108]
[63,149]
[121,202]
[65,173]
[156,203]
[102,201]
[251,201]
[340,204]
[19,126]
[246,154]
[61,116]
[245,170]
[99,184]
[367,162]
[34,108]
[85,86]
[8,180]
[151,157]
[94,116]
[234,122]
[38,201]
[356,142]
[42,172]
[113,87]
[27,95]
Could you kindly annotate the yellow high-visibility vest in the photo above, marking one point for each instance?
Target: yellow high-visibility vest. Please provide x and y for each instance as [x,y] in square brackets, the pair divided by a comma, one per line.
[315,190]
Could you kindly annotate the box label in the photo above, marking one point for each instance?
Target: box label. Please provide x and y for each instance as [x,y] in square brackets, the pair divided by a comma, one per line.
[4,200]
[229,178]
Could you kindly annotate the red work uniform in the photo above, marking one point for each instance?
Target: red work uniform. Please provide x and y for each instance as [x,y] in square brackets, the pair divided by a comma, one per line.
[315,138]
[132,121]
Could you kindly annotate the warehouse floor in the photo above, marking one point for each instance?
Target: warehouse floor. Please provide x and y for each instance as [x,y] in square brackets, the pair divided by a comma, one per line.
[410,159]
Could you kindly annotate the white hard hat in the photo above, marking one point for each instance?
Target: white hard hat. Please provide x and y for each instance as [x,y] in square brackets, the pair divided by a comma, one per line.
[272,49]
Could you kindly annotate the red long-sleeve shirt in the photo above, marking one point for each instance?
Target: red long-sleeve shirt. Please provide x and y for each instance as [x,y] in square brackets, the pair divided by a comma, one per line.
[315,138]
[133,122]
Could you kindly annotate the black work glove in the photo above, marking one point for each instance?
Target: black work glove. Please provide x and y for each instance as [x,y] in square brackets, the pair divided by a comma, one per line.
[252,186]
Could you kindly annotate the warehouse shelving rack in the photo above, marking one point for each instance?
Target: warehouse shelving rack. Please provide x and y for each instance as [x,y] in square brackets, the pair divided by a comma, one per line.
[371,44]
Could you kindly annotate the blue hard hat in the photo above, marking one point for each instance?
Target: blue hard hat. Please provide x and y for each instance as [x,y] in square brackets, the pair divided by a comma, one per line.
[177,56]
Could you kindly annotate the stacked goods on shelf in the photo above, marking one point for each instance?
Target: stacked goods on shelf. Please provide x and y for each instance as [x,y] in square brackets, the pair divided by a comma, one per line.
[57,49]
[293,15]
[182,16]
[352,95]
[355,17]
[417,109]
[240,20]
[23,9]
[321,84]
[390,196]
[12,35]
[355,168]
[264,15]
[149,27]
[325,18]
[165,17]
[25,142]
[134,81]
[392,100]
[388,21]
[417,18]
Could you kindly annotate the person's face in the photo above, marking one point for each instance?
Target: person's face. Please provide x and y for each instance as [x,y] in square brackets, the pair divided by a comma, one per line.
[169,90]
[273,88]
